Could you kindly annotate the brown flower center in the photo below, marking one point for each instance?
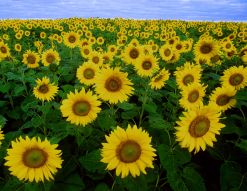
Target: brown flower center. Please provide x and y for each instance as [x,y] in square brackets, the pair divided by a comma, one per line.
[206,48]
[178,47]
[215,58]
[113,84]
[3,50]
[31,59]
[236,79]
[84,43]
[188,79]
[199,126]
[129,151]
[88,73]
[50,58]
[171,41]
[167,52]
[134,53]
[146,65]
[193,96]
[86,51]
[34,158]
[158,78]
[43,88]
[223,99]
[81,108]
[228,45]
[72,39]
[95,59]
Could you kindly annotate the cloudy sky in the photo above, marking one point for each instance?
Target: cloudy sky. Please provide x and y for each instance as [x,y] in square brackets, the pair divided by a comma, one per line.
[211,10]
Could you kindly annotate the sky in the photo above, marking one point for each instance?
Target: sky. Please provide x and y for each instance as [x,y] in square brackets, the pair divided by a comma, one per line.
[209,10]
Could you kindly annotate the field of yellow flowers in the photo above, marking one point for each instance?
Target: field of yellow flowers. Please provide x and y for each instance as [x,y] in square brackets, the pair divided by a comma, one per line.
[118,104]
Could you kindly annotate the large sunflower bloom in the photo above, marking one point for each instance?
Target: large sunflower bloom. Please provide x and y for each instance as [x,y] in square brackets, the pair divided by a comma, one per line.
[198,127]
[192,96]
[188,74]
[86,73]
[158,81]
[113,85]
[146,65]
[132,53]
[44,90]
[33,159]
[31,59]
[206,48]
[80,108]
[4,50]
[71,39]
[128,151]
[50,56]
[222,98]
[235,77]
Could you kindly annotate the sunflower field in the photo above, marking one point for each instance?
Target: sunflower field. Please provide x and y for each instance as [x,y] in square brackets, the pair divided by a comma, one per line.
[121,104]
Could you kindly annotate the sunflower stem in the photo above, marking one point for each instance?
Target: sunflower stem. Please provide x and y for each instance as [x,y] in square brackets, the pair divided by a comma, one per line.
[44,118]
[113,184]
[143,105]
[242,113]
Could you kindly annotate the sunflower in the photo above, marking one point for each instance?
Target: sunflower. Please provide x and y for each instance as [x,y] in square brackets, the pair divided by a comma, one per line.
[81,107]
[244,58]
[192,96]
[71,39]
[112,49]
[187,74]
[31,59]
[158,81]
[86,50]
[197,128]
[50,56]
[18,47]
[222,98]
[4,50]
[33,159]
[132,53]
[1,136]
[206,48]
[166,52]
[86,73]
[96,58]
[44,90]
[235,77]
[100,40]
[113,85]
[128,151]
[146,65]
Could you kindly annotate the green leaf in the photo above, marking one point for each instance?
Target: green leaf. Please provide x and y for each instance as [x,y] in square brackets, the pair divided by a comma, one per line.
[130,114]
[156,121]
[242,145]
[4,88]
[150,107]
[193,179]
[71,183]
[91,162]
[18,90]
[102,187]
[106,120]
[231,177]
[33,187]
[126,106]
[172,162]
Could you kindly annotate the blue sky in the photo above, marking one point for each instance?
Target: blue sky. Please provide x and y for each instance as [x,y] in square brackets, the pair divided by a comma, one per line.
[211,10]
